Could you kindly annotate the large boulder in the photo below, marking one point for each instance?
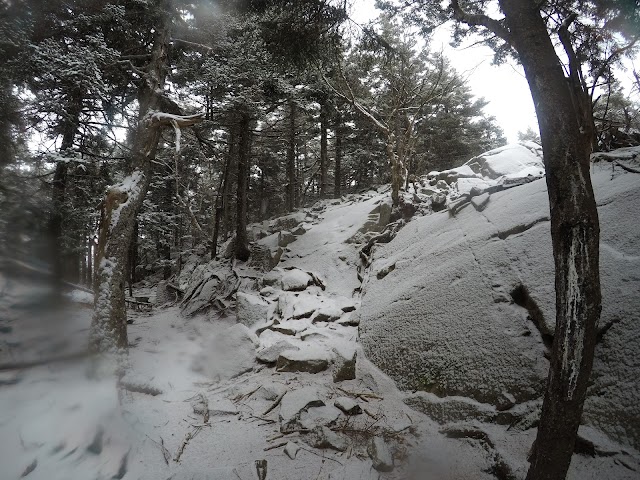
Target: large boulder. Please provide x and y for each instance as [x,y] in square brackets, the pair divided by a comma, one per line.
[469,309]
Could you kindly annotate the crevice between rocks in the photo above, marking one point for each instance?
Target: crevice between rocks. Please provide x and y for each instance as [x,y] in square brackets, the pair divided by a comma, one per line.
[521,297]
[515,230]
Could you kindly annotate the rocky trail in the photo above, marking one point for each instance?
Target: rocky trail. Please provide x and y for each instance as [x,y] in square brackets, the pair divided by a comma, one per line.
[257,371]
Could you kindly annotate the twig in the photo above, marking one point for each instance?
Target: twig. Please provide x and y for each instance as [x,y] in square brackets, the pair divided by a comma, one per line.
[275,403]
[322,456]
[163,449]
[188,437]
[277,445]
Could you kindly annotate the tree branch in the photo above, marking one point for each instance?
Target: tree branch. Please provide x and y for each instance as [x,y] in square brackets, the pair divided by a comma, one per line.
[479,20]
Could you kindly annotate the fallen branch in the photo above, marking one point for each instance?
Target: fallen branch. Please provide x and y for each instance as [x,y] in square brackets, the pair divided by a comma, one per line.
[275,403]
[188,437]
[272,447]
[624,167]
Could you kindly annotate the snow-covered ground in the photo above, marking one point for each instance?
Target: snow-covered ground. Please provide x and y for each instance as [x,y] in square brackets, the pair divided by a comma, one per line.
[210,396]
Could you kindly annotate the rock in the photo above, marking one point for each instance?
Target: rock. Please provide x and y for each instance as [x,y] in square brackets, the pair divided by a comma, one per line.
[231,353]
[305,307]
[328,313]
[294,403]
[319,416]
[348,308]
[505,401]
[270,353]
[438,202]
[300,229]
[349,320]
[323,437]
[291,450]
[345,362]
[311,360]
[348,405]
[272,278]
[480,202]
[385,270]
[251,309]
[268,292]
[442,185]
[380,455]
[291,327]
[288,221]
[296,280]
[285,238]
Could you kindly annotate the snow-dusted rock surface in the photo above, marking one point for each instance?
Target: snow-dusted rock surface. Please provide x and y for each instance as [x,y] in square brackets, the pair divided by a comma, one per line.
[469,306]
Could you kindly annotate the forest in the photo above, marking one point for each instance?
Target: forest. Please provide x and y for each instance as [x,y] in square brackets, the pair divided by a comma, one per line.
[196,162]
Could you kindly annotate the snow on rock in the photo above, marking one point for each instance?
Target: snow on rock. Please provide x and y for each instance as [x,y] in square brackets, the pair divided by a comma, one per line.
[323,437]
[269,354]
[296,280]
[312,359]
[348,405]
[230,353]
[469,307]
[326,415]
[251,309]
[294,403]
[345,361]
[380,455]
[511,161]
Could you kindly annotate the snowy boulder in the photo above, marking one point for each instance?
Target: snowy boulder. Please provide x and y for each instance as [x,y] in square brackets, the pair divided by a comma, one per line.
[473,312]
[513,160]
[296,280]
[312,359]
[231,353]
[270,353]
[325,416]
[294,403]
[288,222]
[438,201]
[251,309]
[285,237]
[348,405]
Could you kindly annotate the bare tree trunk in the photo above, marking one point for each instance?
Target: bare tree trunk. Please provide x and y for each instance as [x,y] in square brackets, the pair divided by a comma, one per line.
[123,201]
[242,251]
[338,167]
[291,158]
[566,140]
[324,158]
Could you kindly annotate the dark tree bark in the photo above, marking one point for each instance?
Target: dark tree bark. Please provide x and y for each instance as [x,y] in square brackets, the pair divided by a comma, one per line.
[291,158]
[324,156]
[338,167]
[242,251]
[566,134]
[60,258]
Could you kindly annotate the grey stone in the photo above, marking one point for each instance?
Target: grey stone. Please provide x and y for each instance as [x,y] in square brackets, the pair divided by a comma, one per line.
[380,455]
[294,403]
[271,353]
[348,405]
[291,450]
[344,363]
[251,309]
[323,437]
[480,202]
[312,360]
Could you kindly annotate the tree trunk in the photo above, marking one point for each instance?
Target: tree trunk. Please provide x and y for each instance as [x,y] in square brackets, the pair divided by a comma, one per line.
[324,159]
[291,159]
[124,200]
[242,251]
[338,168]
[575,238]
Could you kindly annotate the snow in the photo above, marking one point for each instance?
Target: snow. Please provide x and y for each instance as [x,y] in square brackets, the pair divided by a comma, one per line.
[211,409]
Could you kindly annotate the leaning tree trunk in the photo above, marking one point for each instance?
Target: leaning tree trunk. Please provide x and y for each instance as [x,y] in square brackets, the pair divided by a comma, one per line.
[122,203]
[575,234]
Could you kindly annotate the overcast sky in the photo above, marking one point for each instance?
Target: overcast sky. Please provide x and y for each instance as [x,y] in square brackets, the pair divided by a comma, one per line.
[503,86]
